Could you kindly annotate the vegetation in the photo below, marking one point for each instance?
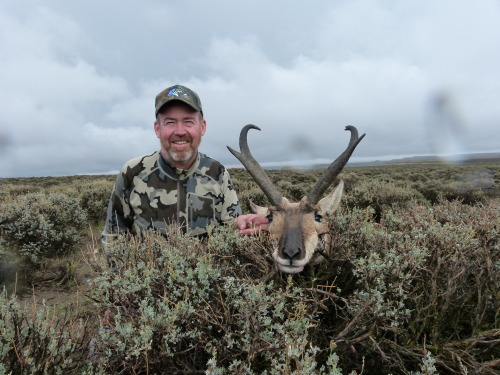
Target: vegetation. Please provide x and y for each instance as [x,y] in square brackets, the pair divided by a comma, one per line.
[412,286]
[37,224]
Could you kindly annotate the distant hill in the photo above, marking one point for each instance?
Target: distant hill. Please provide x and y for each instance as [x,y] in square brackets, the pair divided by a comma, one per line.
[468,158]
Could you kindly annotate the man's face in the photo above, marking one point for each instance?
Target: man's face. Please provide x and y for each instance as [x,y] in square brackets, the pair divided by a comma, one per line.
[179,129]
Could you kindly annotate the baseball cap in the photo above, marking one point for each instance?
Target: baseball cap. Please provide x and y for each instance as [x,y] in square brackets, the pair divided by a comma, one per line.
[179,93]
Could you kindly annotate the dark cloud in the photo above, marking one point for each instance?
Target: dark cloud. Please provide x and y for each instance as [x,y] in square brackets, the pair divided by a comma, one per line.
[79,78]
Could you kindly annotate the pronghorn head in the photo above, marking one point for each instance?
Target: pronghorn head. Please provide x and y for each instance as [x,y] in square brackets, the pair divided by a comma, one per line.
[299,230]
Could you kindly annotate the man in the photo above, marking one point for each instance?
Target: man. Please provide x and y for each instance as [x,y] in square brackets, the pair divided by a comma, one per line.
[177,185]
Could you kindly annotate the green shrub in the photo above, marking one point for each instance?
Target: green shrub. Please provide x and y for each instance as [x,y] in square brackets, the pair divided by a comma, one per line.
[10,191]
[425,277]
[292,191]
[415,292]
[94,198]
[10,265]
[200,310]
[380,196]
[41,341]
[410,287]
[432,190]
[464,191]
[41,225]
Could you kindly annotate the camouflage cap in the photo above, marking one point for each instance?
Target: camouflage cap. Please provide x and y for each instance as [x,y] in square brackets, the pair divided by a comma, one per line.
[179,93]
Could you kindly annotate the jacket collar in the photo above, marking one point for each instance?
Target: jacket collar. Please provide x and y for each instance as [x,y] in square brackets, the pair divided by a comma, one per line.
[177,173]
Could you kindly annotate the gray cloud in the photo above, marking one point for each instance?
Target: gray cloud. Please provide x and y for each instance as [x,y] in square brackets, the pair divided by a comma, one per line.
[79,78]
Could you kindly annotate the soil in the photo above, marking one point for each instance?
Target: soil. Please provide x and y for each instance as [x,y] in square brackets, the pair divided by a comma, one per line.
[59,283]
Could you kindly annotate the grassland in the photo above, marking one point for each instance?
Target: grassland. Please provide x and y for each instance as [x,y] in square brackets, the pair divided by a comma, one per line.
[412,286]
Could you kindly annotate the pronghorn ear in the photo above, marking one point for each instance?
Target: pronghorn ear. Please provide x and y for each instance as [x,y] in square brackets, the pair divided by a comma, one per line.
[264,211]
[304,204]
[331,202]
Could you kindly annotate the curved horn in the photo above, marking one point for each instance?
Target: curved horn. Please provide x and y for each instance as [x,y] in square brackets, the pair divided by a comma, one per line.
[255,170]
[335,168]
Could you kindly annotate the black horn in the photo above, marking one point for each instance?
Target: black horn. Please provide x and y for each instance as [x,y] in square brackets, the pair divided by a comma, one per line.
[254,168]
[335,168]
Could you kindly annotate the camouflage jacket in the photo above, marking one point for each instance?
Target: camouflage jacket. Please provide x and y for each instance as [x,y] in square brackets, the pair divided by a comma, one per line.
[150,194]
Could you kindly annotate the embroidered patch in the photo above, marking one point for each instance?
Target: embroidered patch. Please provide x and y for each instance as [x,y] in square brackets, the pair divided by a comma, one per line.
[177,92]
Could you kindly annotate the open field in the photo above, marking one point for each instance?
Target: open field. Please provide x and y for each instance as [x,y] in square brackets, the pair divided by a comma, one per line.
[412,286]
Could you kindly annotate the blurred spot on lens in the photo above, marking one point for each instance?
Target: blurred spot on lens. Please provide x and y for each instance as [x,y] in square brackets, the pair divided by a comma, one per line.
[446,128]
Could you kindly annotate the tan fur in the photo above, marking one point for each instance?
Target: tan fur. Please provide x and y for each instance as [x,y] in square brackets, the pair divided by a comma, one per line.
[296,233]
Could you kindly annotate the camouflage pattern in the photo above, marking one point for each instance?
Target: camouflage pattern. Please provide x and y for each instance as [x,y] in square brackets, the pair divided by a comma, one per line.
[149,194]
[179,93]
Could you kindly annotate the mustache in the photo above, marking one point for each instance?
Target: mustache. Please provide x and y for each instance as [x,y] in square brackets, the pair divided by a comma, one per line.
[180,138]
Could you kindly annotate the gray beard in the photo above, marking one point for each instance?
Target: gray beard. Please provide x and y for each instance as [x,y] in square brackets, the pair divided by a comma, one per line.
[181,158]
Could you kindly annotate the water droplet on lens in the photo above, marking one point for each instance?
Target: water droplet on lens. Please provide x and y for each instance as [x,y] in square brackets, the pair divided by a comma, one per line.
[446,129]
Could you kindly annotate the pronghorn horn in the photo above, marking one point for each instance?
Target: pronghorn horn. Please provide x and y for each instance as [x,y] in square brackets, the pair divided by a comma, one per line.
[335,168]
[254,168]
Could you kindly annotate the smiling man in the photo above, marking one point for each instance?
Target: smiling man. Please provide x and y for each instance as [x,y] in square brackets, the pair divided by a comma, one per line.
[179,125]
[177,185]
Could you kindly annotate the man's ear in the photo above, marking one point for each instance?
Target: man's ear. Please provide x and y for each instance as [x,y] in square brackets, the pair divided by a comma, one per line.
[157,129]
[203,127]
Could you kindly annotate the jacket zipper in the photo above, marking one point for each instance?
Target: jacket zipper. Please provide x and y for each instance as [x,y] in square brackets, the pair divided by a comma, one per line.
[178,202]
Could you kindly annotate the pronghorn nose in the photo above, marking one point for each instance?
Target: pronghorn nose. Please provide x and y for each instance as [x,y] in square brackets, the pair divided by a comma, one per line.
[292,244]
[290,252]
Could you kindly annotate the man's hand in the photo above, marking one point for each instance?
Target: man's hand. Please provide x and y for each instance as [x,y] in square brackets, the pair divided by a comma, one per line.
[251,224]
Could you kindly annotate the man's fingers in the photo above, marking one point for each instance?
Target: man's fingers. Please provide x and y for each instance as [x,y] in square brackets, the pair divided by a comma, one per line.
[251,224]
[242,222]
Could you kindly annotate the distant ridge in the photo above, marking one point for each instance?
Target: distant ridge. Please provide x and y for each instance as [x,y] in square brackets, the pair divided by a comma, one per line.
[465,158]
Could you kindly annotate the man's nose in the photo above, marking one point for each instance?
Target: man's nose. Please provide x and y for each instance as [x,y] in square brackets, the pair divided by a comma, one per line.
[179,129]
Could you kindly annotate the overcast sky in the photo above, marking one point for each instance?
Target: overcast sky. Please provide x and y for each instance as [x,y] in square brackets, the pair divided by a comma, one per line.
[78,78]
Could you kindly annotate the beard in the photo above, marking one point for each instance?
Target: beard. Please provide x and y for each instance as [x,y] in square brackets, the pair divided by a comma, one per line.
[181,157]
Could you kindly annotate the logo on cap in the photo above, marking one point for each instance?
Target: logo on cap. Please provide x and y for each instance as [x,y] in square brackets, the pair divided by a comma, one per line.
[177,92]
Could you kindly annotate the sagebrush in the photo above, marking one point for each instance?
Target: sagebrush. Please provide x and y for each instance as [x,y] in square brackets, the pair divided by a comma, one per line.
[411,286]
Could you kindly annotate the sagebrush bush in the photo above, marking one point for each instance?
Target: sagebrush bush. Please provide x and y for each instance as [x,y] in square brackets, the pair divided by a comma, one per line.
[94,198]
[10,190]
[425,277]
[415,292]
[10,264]
[39,225]
[410,287]
[40,341]
[380,196]
[293,192]
[431,190]
[185,306]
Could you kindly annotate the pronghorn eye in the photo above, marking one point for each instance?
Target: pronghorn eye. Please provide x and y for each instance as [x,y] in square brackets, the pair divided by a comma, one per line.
[269,217]
[318,218]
